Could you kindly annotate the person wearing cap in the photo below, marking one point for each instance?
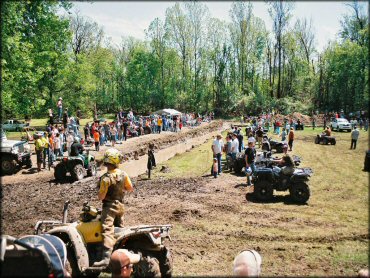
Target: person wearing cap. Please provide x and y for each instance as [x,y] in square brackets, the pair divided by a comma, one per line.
[354,137]
[217,147]
[112,187]
[121,263]
[234,146]
[247,264]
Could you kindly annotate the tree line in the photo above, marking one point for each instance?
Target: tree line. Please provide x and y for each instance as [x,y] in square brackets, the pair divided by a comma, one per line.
[189,60]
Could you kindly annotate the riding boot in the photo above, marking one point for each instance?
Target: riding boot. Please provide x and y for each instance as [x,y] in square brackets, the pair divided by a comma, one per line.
[105,259]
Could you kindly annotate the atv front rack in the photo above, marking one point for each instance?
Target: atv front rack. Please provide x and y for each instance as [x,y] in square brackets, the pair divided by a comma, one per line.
[46,223]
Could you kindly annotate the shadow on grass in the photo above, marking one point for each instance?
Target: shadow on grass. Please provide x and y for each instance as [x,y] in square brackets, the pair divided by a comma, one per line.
[275,199]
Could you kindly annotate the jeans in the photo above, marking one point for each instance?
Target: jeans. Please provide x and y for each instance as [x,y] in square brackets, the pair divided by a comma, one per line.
[218,156]
[353,143]
[60,109]
[253,168]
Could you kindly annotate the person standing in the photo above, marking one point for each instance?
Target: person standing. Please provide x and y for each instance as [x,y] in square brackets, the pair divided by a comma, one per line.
[291,138]
[112,187]
[354,137]
[51,116]
[250,155]
[39,147]
[57,145]
[65,118]
[96,140]
[234,146]
[217,147]
[151,159]
[113,132]
[60,108]
[125,126]
[259,134]
[159,123]
[313,122]
[45,143]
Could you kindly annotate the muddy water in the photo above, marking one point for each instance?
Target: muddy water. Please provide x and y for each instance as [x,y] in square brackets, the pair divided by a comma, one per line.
[137,167]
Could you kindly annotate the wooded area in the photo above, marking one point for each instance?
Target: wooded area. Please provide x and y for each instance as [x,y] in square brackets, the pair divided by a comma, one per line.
[189,61]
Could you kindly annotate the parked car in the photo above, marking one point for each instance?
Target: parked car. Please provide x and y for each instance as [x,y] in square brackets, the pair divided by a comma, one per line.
[340,124]
[14,154]
[14,125]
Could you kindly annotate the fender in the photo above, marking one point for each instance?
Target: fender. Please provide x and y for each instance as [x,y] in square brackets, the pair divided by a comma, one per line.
[78,244]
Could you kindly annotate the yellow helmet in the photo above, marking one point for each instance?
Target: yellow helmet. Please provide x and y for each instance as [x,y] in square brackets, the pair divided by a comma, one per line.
[113,156]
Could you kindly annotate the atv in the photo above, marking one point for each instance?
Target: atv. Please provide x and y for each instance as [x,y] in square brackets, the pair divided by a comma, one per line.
[277,145]
[262,160]
[83,240]
[325,140]
[77,166]
[267,179]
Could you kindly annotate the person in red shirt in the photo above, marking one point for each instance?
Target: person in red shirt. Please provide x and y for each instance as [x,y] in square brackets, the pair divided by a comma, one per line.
[291,139]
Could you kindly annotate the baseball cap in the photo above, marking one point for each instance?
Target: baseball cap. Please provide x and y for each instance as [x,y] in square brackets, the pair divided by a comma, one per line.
[121,258]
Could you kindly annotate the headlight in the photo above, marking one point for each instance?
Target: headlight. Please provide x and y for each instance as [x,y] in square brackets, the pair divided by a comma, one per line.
[15,150]
[27,148]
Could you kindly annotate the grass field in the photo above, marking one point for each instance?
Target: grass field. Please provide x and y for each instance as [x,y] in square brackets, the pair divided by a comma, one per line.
[327,237]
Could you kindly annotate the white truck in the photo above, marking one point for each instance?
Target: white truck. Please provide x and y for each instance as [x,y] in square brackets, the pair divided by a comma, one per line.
[340,124]
[14,125]
[14,154]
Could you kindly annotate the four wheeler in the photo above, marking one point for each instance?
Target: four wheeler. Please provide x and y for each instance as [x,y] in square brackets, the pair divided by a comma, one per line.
[277,145]
[325,140]
[77,166]
[83,239]
[268,179]
[260,161]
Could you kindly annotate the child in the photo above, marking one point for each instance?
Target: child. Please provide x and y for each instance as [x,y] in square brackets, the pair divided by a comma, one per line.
[151,159]
[283,135]
[97,140]
[215,167]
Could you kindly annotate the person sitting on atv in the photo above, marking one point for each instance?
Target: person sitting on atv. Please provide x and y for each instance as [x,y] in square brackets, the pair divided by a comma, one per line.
[327,131]
[287,165]
[112,187]
[76,147]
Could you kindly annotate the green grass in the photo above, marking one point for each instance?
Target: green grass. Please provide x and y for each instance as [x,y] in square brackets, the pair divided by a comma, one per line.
[329,236]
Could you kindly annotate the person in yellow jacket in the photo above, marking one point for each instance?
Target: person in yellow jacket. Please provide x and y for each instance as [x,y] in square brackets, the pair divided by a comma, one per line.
[39,147]
[45,142]
[112,187]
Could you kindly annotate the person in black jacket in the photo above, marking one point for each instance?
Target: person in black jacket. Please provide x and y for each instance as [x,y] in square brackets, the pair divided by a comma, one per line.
[151,159]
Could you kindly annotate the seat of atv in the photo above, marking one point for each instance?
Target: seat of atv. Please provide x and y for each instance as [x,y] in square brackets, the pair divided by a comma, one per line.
[119,230]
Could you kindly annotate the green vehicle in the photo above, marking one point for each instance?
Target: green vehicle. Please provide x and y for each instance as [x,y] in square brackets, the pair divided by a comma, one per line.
[78,167]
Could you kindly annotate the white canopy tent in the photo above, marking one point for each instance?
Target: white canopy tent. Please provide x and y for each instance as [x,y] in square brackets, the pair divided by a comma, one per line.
[168,112]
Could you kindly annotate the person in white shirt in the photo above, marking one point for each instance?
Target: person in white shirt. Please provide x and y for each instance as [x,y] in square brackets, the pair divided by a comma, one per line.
[217,148]
[234,146]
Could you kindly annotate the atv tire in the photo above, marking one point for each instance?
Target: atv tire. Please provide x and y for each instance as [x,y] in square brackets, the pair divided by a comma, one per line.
[78,172]
[92,169]
[165,262]
[333,142]
[237,168]
[147,267]
[60,172]
[263,190]
[317,140]
[299,192]
[8,165]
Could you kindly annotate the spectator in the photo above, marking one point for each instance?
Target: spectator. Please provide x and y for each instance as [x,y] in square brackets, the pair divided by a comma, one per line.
[247,264]
[291,139]
[60,108]
[86,132]
[45,143]
[78,117]
[121,262]
[354,137]
[250,155]
[57,145]
[65,118]
[151,159]
[259,134]
[366,124]
[51,116]
[217,147]
[69,141]
[113,132]
[283,135]
[240,141]
[215,167]
[96,140]
[234,146]
[39,147]
[125,126]
[159,124]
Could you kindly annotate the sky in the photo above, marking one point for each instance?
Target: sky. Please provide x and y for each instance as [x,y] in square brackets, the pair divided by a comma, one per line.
[131,18]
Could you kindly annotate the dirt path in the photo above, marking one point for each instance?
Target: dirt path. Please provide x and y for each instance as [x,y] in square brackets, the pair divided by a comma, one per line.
[136,147]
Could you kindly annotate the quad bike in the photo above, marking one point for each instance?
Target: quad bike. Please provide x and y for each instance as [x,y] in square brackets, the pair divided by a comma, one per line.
[268,179]
[277,145]
[325,140]
[261,160]
[77,166]
[83,239]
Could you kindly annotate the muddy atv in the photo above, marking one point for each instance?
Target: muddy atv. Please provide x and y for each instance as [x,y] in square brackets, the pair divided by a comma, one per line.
[325,140]
[78,166]
[266,180]
[83,239]
[260,161]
